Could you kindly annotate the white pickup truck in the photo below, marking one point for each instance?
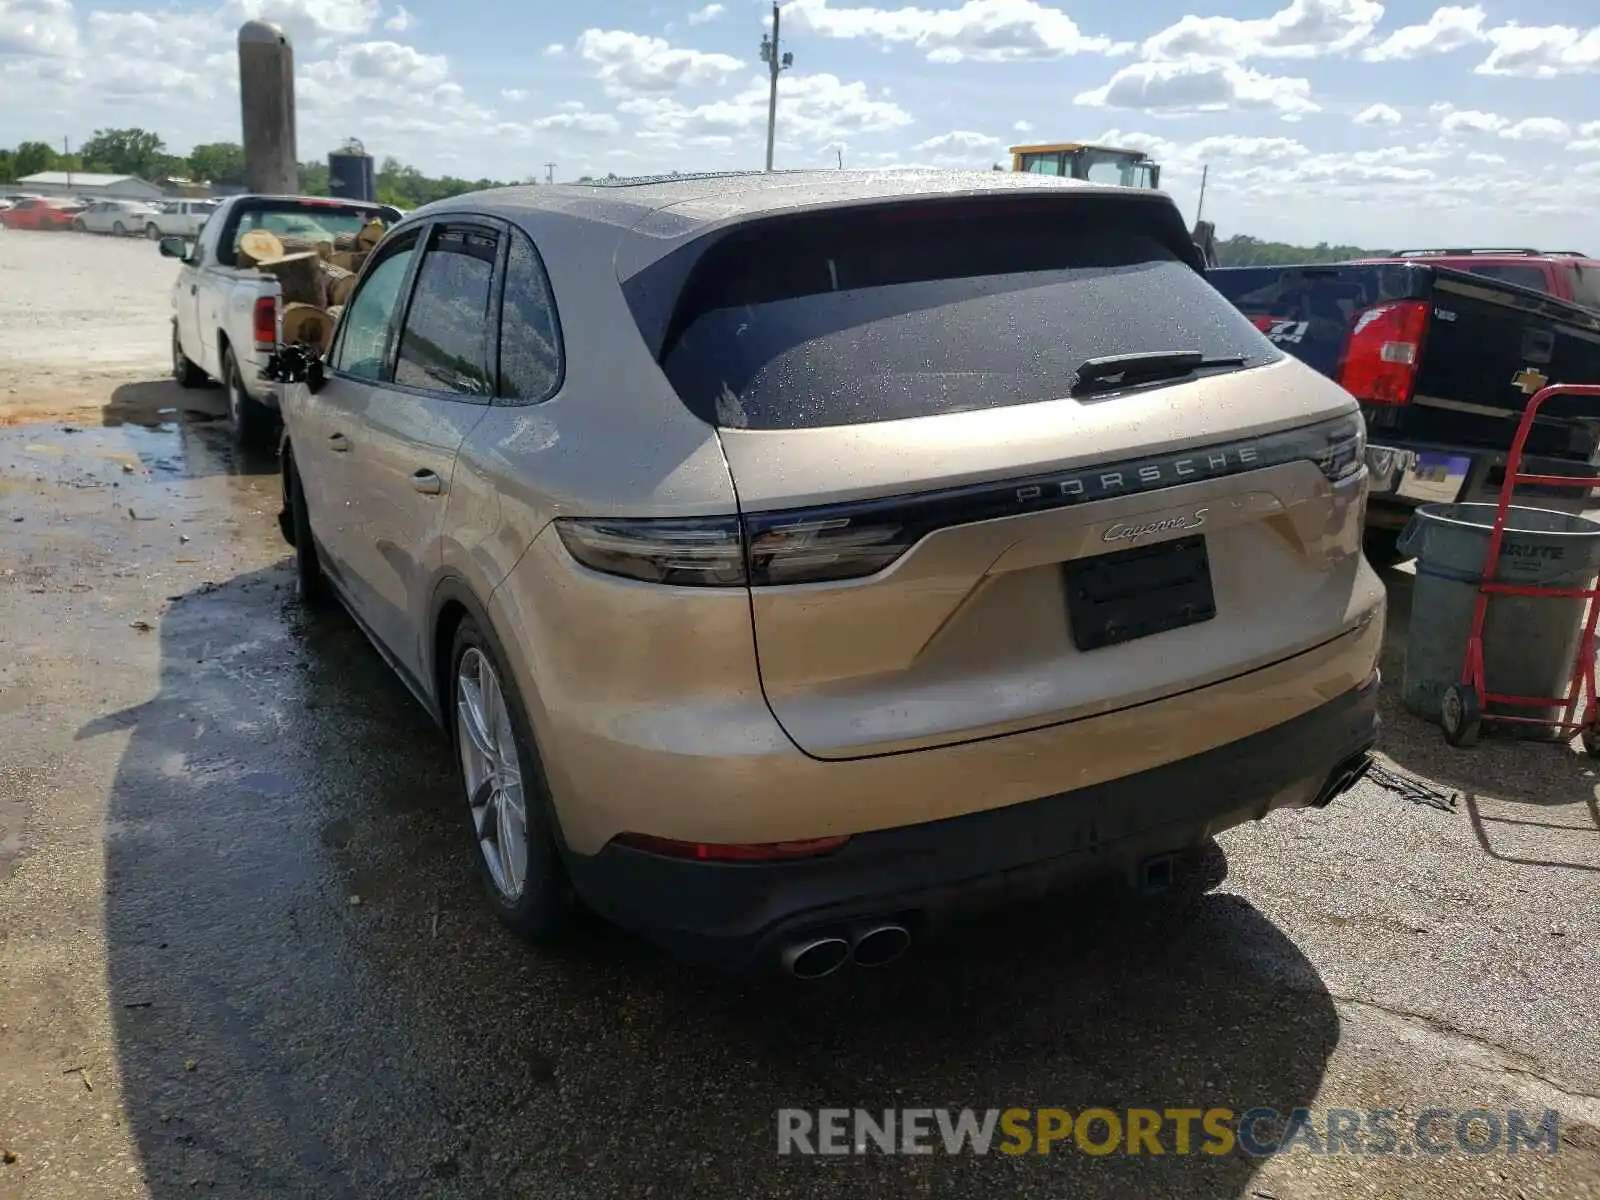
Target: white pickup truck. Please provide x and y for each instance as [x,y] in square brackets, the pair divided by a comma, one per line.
[179,218]
[225,315]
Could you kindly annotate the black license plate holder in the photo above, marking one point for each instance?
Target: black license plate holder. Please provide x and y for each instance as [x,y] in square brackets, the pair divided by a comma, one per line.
[1134,593]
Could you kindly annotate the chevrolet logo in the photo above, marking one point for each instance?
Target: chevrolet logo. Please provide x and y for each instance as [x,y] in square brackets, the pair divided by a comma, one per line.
[1529,380]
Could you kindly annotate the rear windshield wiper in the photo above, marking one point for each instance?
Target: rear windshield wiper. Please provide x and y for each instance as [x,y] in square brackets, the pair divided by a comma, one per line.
[1116,369]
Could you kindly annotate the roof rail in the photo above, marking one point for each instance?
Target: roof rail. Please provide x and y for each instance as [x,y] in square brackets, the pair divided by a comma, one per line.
[1465,250]
[1506,251]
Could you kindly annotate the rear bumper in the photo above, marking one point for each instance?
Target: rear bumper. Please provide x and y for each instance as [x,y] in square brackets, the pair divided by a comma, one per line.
[1404,475]
[739,915]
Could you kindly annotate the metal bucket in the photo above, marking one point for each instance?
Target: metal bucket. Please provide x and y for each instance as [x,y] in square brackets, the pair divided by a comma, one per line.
[1529,642]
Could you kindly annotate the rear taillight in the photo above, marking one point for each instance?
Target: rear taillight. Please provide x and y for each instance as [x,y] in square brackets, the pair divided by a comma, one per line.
[731,852]
[265,322]
[763,550]
[1380,359]
[692,552]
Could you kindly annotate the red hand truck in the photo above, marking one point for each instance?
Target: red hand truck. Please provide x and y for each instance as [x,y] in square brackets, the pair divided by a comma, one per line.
[1461,708]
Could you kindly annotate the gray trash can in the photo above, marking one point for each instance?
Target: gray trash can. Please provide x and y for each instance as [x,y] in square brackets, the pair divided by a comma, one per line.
[1530,643]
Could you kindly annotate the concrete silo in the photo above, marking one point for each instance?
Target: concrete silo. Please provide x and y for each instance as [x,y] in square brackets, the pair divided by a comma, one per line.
[266,100]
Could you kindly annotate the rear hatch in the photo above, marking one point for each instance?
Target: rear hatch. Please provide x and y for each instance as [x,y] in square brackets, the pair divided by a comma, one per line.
[954,529]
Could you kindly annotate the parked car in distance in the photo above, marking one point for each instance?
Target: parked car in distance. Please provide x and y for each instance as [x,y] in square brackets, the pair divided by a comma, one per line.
[225,316]
[41,212]
[179,218]
[1443,362]
[794,558]
[119,217]
[1567,275]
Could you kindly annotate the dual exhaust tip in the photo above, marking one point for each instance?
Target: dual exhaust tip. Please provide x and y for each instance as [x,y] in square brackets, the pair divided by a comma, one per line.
[1342,778]
[815,955]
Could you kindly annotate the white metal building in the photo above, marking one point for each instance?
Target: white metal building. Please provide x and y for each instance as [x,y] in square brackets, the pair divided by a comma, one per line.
[87,183]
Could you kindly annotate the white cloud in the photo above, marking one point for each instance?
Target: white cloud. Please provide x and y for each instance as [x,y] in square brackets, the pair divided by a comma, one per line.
[1541,52]
[979,30]
[815,111]
[37,27]
[1265,149]
[1023,127]
[514,95]
[1528,129]
[1378,114]
[600,124]
[1470,120]
[961,148]
[1199,85]
[571,106]
[319,21]
[402,20]
[1305,29]
[709,13]
[1479,156]
[1448,29]
[631,64]
[554,50]
[1540,129]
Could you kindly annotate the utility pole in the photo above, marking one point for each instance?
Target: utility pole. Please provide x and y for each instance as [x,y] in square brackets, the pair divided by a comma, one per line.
[777,59]
[66,152]
[550,172]
[839,150]
[1200,208]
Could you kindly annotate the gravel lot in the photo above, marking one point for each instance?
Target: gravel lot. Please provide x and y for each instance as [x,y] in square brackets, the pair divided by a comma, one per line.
[245,955]
[78,315]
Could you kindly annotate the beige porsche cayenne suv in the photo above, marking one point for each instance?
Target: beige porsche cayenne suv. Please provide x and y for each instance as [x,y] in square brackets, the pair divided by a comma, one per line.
[794,559]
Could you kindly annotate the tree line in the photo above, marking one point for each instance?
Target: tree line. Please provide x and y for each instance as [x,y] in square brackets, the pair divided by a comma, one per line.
[143,154]
[1242,250]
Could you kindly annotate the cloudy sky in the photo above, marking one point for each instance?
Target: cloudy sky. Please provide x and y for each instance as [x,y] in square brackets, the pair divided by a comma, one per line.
[1359,121]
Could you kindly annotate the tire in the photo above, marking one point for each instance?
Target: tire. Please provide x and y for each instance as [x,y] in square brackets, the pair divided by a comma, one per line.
[541,904]
[184,372]
[253,423]
[153,232]
[79,227]
[118,228]
[311,585]
[1460,715]
[1383,548]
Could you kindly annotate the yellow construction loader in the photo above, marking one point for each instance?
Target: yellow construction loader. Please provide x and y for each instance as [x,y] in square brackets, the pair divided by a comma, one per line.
[1106,164]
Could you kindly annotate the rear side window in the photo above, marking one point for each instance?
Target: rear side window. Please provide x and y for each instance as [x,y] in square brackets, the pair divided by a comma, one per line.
[530,346]
[887,314]
[1528,277]
[1586,284]
[445,343]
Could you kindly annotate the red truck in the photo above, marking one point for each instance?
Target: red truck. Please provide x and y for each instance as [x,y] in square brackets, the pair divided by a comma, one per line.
[1568,275]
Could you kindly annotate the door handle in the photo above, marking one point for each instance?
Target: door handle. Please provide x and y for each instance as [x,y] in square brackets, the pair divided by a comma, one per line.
[338,443]
[193,288]
[427,483]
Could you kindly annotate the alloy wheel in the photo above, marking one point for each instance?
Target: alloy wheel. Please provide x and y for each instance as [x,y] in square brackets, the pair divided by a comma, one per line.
[492,771]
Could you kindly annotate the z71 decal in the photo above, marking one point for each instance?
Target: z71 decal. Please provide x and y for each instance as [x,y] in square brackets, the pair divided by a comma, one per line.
[1291,332]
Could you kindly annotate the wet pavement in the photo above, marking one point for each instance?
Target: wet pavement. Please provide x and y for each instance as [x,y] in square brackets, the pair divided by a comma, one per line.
[245,953]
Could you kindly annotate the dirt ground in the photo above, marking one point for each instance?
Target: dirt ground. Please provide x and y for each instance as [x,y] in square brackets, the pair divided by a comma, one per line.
[105,317]
[243,952]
